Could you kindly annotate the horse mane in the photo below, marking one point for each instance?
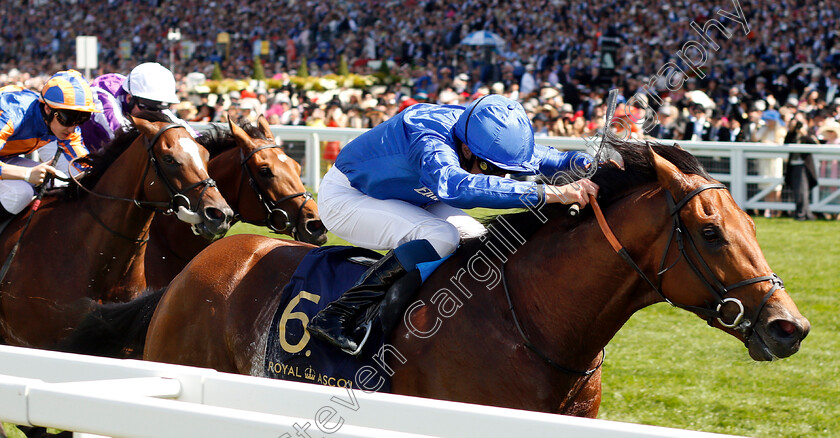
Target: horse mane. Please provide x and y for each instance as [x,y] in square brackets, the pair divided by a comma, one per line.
[219,139]
[102,159]
[613,184]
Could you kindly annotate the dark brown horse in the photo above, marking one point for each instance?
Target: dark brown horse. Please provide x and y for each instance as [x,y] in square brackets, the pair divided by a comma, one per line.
[529,306]
[259,181]
[78,250]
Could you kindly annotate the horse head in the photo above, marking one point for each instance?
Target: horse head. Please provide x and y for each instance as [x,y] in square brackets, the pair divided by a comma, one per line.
[278,199]
[180,178]
[713,266]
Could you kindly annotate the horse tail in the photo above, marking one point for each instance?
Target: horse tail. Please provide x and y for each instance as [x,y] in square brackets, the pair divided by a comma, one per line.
[114,329]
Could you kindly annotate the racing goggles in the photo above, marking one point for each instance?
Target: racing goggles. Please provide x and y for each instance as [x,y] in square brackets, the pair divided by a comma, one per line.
[70,118]
[150,105]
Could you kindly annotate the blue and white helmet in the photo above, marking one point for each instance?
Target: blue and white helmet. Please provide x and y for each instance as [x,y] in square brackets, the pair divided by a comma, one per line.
[497,130]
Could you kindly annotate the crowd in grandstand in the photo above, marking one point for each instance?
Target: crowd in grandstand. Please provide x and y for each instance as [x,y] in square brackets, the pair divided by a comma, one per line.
[550,43]
[774,60]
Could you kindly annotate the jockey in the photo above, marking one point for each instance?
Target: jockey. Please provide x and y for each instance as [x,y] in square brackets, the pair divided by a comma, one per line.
[150,87]
[401,186]
[30,121]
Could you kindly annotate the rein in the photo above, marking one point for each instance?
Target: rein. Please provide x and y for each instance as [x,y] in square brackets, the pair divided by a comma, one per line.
[174,195]
[717,289]
[532,347]
[271,206]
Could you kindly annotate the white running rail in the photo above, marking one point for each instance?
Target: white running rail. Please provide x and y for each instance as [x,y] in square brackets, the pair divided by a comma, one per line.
[129,398]
[730,163]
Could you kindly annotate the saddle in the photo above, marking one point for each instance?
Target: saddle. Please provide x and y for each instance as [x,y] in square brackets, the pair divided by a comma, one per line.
[291,353]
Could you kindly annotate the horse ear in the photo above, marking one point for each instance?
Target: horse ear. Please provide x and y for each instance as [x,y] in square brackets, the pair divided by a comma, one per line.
[146,127]
[238,133]
[265,128]
[669,176]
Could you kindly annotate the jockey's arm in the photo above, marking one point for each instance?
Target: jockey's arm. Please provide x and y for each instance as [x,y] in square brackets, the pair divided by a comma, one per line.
[552,163]
[442,173]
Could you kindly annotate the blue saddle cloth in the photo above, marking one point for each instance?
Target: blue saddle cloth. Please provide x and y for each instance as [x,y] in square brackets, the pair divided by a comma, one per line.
[291,353]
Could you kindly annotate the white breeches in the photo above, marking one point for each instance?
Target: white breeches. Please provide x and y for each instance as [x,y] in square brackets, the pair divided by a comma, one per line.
[16,194]
[386,224]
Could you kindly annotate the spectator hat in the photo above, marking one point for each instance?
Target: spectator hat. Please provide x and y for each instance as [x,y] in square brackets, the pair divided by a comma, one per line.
[772,116]
[549,92]
[758,105]
[497,130]
[68,90]
[829,126]
[151,81]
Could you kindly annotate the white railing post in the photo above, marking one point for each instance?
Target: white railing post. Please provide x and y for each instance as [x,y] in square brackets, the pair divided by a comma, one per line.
[737,173]
[313,161]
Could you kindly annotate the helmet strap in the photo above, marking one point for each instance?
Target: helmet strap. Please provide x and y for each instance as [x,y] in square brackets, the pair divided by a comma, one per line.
[48,118]
[132,103]
[466,163]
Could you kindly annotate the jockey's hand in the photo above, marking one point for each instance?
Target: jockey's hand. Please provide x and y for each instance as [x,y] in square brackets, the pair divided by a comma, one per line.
[575,193]
[38,173]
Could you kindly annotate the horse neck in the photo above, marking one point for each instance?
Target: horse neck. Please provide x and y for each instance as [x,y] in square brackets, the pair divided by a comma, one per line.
[573,292]
[226,170]
[124,179]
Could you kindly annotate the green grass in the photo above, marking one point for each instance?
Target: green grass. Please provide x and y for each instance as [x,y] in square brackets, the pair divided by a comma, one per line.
[666,367]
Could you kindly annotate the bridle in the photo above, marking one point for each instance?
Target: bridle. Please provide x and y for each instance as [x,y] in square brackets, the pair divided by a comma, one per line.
[271,206]
[177,199]
[700,268]
[703,272]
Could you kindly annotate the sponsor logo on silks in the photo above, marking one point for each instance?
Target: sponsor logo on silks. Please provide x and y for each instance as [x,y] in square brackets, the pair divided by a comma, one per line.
[427,192]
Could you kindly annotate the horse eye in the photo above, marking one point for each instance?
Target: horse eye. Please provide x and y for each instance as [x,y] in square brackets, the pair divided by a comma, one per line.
[168,159]
[266,172]
[711,233]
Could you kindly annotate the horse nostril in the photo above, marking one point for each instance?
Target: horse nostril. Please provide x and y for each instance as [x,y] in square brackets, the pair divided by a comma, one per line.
[314,226]
[781,329]
[214,214]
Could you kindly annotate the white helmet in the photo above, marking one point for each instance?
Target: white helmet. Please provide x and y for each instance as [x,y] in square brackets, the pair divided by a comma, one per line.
[151,81]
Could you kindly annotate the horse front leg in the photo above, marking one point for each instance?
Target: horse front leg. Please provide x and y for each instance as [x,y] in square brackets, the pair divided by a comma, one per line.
[584,399]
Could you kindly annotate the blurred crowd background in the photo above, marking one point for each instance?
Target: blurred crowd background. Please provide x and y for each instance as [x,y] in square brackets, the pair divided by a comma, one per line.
[552,58]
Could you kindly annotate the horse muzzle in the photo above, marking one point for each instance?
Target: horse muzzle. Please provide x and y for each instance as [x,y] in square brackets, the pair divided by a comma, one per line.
[313,231]
[210,223]
[777,337]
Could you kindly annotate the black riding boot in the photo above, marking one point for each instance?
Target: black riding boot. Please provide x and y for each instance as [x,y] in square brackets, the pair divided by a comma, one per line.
[392,308]
[5,214]
[336,323]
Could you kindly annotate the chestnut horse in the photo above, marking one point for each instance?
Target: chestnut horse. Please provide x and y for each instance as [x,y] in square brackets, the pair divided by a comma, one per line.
[541,312]
[259,181]
[78,250]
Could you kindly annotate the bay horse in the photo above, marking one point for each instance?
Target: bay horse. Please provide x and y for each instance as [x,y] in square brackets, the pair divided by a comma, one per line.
[260,182]
[538,296]
[77,249]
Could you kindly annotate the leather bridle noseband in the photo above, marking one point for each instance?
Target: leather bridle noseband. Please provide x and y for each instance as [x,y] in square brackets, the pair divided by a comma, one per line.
[271,206]
[700,268]
[177,198]
[718,290]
